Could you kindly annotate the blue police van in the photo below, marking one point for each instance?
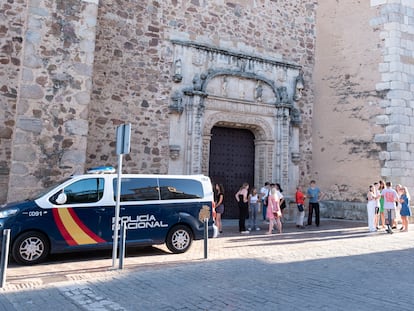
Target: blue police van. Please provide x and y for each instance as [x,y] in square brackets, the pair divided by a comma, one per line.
[79,214]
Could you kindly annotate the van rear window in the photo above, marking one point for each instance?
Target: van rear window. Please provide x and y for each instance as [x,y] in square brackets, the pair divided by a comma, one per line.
[145,189]
[174,188]
[137,189]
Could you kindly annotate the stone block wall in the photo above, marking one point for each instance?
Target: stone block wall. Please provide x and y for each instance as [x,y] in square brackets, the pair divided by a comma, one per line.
[134,65]
[395,23]
[345,154]
[48,53]
[12,21]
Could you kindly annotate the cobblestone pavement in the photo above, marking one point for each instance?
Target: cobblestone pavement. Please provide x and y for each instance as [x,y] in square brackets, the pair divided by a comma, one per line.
[337,266]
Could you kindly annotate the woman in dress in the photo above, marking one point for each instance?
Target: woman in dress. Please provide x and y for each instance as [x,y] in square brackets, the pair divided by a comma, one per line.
[219,203]
[273,212]
[405,208]
[242,200]
[372,198]
[381,215]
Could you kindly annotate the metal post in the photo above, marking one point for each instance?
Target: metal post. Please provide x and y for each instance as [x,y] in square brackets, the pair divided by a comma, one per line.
[205,237]
[122,245]
[116,224]
[4,255]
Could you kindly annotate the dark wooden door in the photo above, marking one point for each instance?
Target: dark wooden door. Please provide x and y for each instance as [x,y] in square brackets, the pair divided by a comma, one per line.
[231,163]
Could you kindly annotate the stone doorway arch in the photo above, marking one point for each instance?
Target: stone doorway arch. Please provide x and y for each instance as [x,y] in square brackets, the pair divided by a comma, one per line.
[263,140]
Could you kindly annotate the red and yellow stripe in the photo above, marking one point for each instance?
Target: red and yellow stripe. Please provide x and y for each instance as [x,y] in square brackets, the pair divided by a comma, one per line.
[73,229]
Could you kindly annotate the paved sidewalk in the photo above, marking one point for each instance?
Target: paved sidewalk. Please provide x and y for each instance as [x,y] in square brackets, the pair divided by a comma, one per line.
[337,266]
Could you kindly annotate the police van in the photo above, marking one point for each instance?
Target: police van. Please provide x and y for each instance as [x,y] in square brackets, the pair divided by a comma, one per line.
[79,214]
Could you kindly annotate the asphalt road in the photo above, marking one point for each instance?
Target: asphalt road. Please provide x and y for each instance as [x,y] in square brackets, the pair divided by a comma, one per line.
[337,266]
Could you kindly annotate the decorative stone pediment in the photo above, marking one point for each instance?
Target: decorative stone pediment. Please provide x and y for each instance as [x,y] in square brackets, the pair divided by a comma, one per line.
[210,71]
[242,86]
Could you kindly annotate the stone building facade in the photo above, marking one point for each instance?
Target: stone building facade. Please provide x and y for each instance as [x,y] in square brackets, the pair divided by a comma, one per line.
[363,112]
[319,102]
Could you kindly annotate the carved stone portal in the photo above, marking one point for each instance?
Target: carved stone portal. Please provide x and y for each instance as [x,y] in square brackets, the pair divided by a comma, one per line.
[221,88]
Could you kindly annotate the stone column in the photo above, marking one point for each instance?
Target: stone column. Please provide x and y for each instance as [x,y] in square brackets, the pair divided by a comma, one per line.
[194,120]
[51,130]
[205,155]
[264,161]
[282,146]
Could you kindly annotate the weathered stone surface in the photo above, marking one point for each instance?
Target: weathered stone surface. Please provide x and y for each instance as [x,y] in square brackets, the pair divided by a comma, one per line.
[73,156]
[29,124]
[24,154]
[31,92]
[20,169]
[77,127]
[83,98]
[5,132]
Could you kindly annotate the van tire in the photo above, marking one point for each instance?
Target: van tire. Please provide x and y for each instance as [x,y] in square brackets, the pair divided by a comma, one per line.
[30,248]
[179,239]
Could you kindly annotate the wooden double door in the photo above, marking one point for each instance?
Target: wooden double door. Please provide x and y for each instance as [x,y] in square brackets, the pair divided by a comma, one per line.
[231,163]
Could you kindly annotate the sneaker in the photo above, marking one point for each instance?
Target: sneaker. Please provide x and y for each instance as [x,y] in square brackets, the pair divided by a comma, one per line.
[389,231]
[245,232]
[249,229]
[257,229]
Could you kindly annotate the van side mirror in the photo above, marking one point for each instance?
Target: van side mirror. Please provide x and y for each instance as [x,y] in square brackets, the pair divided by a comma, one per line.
[61,199]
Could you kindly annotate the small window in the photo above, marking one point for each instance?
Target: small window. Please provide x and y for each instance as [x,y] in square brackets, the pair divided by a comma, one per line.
[137,189]
[83,191]
[180,189]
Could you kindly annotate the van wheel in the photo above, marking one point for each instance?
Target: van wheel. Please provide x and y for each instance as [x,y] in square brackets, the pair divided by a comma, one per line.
[179,239]
[30,248]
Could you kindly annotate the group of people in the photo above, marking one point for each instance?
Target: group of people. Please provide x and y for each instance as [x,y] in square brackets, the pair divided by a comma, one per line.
[269,201]
[386,202]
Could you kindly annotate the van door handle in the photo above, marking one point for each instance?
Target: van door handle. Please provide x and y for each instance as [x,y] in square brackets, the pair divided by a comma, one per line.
[101,209]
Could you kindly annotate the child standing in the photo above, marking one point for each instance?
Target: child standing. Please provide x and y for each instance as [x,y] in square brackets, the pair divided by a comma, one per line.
[300,202]
[254,209]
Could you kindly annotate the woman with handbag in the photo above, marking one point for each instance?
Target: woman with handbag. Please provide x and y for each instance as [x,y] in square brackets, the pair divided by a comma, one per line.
[273,212]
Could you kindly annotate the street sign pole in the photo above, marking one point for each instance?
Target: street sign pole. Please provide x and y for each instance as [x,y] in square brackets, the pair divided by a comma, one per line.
[123,145]
[116,224]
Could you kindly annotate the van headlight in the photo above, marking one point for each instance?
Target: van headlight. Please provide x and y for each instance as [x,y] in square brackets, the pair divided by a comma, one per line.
[8,212]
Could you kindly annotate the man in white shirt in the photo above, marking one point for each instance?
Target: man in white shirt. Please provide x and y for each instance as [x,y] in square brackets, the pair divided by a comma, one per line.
[390,197]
